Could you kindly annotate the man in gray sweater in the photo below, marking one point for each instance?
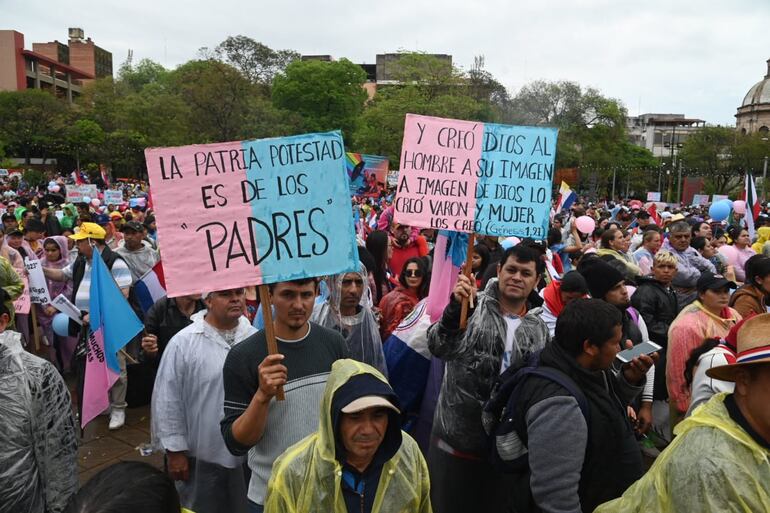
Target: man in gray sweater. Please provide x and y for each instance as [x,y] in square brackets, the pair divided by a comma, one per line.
[578,461]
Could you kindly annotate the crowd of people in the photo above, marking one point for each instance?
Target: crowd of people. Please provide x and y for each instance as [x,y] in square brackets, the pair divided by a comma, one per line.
[512,398]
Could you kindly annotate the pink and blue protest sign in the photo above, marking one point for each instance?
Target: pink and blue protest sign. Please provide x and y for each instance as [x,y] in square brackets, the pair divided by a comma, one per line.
[476,177]
[252,212]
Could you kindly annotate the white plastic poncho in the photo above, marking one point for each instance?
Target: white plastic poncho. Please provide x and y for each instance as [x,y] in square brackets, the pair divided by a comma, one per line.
[712,466]
[306,477]
[361,331]
[186,409]
[38,440]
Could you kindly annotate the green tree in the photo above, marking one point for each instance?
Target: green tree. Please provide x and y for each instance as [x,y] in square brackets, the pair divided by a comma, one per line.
[83,138]
[217,96]
[32,123]
[33,177]
[257,62]
[143,73]
[710,153]
[425,85]
[328,95]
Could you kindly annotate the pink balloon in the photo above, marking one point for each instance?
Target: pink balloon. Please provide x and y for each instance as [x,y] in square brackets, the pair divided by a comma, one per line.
[585,224]
[55,188]
[739,206]
[95,202]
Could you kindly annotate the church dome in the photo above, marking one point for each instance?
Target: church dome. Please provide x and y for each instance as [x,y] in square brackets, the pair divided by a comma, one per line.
[759,92]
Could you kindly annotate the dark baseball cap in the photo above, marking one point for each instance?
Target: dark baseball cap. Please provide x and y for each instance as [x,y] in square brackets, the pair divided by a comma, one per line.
[711,281]
[132,225]
[102,219]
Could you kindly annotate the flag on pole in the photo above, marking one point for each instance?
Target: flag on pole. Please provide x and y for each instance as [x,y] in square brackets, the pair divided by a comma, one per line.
[653,211]
[752,203]
[105,177]
[112,324]
[566,197]
[448,255]
[150,287]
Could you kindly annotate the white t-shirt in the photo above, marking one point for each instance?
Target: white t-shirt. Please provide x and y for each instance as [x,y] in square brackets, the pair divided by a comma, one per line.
[120,273]
[512,324]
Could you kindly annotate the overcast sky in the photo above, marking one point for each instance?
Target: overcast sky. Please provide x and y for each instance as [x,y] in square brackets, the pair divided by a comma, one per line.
[698,58]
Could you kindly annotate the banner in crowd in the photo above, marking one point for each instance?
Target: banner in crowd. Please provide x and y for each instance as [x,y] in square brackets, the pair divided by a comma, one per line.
[76,193]
[368,174]
[718,197]
[700,199]
[476,177]
[252,212]
[38,287]
[653,196]
[113,197]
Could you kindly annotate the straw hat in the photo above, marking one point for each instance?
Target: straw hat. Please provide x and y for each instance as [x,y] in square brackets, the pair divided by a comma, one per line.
[753,348]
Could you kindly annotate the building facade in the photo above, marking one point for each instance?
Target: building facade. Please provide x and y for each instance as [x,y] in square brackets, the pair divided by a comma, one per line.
[60,68]
[754,113]
[662,134]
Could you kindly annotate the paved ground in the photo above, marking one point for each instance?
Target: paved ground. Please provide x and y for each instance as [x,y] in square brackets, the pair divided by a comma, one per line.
[100,447]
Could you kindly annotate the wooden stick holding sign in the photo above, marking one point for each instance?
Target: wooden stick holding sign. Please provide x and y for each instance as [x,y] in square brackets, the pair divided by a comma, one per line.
[467,273]
[36,328]
[267,316]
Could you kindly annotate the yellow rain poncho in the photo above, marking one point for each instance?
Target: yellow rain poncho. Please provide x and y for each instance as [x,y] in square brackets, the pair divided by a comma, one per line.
[763,236]
[306,477]
[712,466]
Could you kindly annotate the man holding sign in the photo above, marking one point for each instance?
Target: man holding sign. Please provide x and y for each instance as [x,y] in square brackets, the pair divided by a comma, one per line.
[270,211]
[254,423]
[494,180]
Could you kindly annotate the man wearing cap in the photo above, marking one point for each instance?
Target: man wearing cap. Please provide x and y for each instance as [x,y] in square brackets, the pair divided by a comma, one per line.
[690,264]
[9,222]
[707,317]
[137,252]
[187,406]
[358,460]
[720,459]
[113,238]
[88,239]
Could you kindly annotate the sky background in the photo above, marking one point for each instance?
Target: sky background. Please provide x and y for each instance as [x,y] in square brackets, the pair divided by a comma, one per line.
[675,56]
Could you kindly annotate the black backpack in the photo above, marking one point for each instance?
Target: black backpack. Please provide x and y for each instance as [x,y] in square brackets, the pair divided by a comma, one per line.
[509,454]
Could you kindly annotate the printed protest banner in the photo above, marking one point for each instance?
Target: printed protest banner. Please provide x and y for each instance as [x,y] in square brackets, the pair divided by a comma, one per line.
[76,193]
[22,304]
[368,174]
[254,212]
[700,199]
[718,197]
[38,287]
[476,177]
[653,196]
[112,197]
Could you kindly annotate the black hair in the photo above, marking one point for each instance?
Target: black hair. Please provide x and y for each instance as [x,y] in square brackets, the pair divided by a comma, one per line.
[692,361]
[4,298]
[554,236]
[8,217]
[608,236]
[643,214]
[699,243]
[734,232]
[483,251]
[301,281]
[758,266]
[422,291]
[586,319]
[127,487]
[573,281]
[524,254]
[366,258]
[377,244]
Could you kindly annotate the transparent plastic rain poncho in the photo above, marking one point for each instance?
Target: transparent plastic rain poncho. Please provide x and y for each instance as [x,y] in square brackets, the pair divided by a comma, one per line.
[361,331]
[306,477]
[38,441]
[712,466]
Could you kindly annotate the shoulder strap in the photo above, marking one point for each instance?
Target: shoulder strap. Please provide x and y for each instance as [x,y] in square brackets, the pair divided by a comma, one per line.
[559,378]
[634,314]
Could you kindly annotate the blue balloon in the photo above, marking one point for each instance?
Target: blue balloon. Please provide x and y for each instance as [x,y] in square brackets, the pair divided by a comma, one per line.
[720,210]
[61,324]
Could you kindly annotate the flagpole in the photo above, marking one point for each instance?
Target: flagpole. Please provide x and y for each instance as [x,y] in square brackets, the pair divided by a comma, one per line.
[467,273]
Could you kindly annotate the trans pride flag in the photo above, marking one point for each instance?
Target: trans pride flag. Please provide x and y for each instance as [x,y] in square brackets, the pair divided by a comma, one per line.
[112,325]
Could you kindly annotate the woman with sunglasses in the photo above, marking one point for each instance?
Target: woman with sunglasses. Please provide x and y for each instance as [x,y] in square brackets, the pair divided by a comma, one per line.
[413,285]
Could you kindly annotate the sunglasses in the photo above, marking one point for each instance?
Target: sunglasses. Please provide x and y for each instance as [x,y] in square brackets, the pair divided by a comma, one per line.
[413,273]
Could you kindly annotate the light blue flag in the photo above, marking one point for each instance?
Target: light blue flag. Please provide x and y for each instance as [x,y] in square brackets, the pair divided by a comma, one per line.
[110,311]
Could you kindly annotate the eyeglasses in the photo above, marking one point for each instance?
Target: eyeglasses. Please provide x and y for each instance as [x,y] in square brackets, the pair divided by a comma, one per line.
[413,273]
